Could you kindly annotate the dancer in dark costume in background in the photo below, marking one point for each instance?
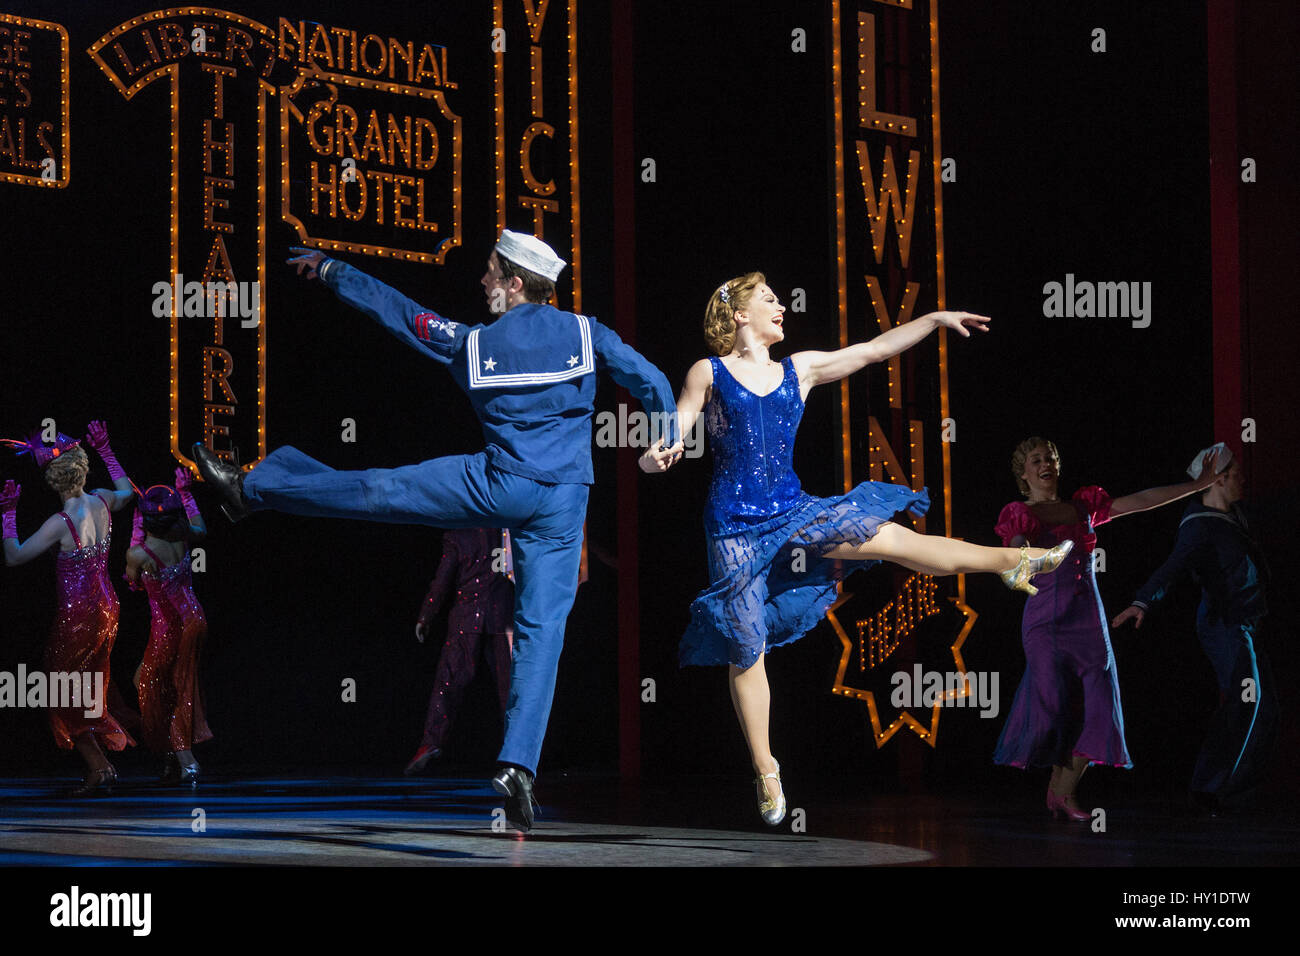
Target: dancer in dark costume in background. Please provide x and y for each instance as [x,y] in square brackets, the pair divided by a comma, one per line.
[776,553]
[480,617]
[171,712]
[1215,544]
[85,625]
[1067,712]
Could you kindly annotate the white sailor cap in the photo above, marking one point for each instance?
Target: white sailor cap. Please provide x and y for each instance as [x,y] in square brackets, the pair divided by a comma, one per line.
[530,253]
[1223,464]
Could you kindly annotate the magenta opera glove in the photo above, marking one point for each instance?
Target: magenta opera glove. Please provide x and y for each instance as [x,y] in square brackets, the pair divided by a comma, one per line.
[97,438]
[183,484]
[9,508]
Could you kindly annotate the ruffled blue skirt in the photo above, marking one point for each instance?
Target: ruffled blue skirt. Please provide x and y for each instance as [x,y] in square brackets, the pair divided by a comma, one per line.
[771,584]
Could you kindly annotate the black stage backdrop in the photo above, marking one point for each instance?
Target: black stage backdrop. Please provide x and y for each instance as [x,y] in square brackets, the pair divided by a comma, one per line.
[1068,161]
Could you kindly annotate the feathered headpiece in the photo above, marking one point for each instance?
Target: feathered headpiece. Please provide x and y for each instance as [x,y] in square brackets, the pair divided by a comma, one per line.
[42,453]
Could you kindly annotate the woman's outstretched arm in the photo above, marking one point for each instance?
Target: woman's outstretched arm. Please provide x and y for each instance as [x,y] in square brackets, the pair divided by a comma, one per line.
[198,527]
[48,536]
[818,368]
[690,403]
[1155,497]
[124,492]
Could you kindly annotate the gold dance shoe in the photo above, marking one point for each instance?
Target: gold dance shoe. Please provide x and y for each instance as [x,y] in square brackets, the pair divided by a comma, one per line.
[771,809]
[1017,579]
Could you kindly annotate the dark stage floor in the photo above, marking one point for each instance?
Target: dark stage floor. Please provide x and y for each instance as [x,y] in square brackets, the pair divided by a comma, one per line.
[356,820]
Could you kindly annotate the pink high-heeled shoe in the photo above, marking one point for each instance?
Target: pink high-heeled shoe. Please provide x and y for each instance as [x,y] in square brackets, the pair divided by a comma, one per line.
[1058,806]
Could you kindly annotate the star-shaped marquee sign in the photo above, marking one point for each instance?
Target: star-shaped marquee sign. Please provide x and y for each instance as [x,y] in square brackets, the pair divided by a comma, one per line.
[880,634]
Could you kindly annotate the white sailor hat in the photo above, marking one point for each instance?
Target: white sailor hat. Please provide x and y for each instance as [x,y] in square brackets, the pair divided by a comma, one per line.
[530,253]
[1222,465]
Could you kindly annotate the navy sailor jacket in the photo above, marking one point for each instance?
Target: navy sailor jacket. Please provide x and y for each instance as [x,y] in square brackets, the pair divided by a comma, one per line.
[530,375]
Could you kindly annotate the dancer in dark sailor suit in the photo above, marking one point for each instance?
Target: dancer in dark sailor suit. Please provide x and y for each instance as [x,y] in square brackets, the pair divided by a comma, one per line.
[530,377]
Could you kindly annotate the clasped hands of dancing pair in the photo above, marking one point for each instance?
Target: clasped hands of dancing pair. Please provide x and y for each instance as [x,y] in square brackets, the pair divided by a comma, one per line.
[529,376]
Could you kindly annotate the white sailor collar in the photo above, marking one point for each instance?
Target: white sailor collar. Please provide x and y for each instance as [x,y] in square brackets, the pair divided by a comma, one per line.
[564,353]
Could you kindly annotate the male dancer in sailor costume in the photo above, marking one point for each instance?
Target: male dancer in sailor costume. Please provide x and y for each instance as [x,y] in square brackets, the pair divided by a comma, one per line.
[1215,544]
[530,379]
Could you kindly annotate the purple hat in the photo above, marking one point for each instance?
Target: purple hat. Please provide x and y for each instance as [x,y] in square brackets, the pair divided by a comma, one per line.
[41,452]
[160,500]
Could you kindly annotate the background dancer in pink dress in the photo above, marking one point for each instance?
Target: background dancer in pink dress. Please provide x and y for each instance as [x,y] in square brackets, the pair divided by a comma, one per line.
[171,711]
[85,625]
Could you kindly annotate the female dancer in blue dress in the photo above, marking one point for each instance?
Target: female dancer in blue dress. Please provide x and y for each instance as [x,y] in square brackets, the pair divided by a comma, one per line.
[776,552]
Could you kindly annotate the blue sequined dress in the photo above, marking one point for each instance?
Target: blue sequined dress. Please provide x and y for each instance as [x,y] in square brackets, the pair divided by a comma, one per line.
[765,534]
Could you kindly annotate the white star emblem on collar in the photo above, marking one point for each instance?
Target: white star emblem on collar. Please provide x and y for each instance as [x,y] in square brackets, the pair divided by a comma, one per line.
[573,360]
[490,364]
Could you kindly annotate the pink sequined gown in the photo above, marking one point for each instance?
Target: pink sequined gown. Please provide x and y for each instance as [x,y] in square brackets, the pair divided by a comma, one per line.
[81,642]
[171,713]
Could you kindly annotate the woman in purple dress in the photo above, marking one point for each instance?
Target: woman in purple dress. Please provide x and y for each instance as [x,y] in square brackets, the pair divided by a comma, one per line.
[85,625]
[777,553]
[1067,712]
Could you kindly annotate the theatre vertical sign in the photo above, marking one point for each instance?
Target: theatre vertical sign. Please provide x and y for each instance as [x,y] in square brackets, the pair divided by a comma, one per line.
[888,243]
[217,68]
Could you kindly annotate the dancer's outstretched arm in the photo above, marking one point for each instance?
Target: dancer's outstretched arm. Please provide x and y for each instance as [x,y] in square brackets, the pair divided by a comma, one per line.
[124,492]
[421,329]
[198,527]
[690,403]
[1191,548]
[818,368]
[1155,497]
[634,372]
[47,537]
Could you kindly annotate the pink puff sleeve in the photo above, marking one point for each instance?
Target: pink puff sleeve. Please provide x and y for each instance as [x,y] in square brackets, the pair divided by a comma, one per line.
[1016,518]
[1097,503]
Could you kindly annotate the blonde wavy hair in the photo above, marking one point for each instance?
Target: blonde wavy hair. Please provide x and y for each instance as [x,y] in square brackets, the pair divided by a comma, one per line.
[68,472]
[1021,455]
[720,316]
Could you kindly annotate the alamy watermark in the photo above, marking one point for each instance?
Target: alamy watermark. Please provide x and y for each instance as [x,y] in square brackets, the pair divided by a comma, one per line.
[921,688]
[1086,300]
[76,909]
[634,428]
[62,690]
[242,300]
